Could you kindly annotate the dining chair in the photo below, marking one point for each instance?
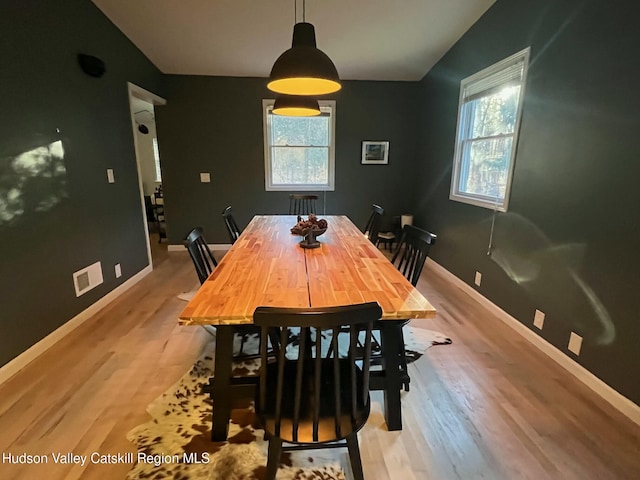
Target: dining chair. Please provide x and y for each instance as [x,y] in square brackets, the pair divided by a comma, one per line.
[232,226]
[202,258]
[204,263]
[302,204]
[409,258]
[312,398]
[373,224]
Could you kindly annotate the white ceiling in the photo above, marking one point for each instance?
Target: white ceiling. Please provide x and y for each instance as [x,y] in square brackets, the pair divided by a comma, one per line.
[366,39]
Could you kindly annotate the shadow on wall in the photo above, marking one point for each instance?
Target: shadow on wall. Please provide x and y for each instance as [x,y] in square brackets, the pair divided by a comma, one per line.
[548,273]
[32,182]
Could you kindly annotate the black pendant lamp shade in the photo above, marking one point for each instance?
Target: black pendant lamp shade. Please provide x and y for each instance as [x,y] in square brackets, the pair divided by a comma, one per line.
[296,106]
[304,69]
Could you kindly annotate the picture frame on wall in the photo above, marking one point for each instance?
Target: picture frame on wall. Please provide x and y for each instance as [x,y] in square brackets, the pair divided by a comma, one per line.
[375,153]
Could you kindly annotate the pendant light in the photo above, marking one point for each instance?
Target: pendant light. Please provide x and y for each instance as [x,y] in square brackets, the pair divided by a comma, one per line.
[304,69]
[296,106]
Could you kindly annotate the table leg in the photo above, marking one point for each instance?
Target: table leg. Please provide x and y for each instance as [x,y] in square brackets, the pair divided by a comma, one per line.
[221,395]
[390,334]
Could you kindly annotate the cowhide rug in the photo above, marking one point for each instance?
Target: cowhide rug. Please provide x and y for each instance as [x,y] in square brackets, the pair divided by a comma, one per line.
[176,442]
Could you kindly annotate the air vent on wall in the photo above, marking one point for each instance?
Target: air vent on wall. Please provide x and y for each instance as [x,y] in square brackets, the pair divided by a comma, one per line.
[87,278]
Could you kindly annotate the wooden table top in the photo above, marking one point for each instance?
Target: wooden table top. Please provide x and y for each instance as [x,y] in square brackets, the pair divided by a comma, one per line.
[267,267]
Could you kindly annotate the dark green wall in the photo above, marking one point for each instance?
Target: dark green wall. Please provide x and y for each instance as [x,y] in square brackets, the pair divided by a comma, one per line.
[569,243]
[76,218]
[214,124]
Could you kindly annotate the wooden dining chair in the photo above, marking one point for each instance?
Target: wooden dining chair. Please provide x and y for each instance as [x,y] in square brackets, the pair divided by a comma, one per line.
[230,223]
[373,224]
[302,204]
[313,398]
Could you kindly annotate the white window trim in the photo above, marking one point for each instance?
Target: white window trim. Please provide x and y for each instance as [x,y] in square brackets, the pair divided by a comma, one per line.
[482,200]
[330,186]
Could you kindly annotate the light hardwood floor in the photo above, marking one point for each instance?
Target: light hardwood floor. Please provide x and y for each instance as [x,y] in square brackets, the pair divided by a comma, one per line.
[488,406]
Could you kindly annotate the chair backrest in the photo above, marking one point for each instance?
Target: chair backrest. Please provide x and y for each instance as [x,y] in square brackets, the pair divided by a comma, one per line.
[232,226]
[200,254]
[302,204]
[412,252]
[315,387]
[373,224]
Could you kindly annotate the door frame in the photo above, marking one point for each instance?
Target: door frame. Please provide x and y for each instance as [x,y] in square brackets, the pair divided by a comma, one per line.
[142,94]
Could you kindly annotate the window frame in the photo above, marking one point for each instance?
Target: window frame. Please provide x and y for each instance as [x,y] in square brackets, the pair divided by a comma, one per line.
[464,126]
[267,106]
[156,160]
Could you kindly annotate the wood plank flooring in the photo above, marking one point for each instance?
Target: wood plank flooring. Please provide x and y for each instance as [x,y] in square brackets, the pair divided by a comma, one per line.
[488,406]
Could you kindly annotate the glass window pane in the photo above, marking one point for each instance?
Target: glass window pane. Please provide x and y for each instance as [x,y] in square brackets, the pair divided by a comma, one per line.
[300,166]
[300,131]
[487,169]
[495,114]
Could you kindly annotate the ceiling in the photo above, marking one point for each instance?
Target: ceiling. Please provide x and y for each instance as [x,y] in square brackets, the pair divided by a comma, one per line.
[366,39]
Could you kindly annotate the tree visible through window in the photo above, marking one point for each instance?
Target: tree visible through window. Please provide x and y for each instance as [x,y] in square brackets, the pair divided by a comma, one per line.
[488,117]
[299,150]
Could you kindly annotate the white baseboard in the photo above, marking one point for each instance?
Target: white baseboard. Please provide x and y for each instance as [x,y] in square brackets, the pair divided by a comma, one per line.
[619,401]
[14,366]
[212,246]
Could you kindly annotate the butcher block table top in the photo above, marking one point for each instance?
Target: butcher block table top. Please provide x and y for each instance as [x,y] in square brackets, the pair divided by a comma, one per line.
[267,267]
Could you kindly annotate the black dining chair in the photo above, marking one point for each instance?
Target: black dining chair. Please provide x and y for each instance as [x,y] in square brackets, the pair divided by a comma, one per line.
[373,224]
[409,258]
[203,259]
[204,263]
[314,398]
[302,204]
[230,223]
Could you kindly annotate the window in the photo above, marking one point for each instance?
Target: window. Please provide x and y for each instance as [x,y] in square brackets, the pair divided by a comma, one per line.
[488,121]
[156,157]
[299,151]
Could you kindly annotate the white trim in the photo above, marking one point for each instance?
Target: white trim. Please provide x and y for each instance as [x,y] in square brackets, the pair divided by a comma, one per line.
[14,366]
[616,399]
[134,90]
[212,246]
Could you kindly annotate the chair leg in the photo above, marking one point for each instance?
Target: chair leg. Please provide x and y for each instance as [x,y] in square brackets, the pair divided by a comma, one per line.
[273,460]
[404,372]
[354,456]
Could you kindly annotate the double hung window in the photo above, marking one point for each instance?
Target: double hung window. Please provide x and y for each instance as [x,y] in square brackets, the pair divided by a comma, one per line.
[488,121]
[299,151]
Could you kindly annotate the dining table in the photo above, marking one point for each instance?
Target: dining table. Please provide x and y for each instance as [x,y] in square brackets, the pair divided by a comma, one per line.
[267,266]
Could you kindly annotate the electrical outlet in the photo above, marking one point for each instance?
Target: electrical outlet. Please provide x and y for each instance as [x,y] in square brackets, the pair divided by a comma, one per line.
[538,319]
[575,343]
[110,176]
[118,270]
[478,278]
[205,177]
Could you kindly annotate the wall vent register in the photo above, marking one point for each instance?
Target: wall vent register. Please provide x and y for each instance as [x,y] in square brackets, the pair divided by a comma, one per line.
[87,278]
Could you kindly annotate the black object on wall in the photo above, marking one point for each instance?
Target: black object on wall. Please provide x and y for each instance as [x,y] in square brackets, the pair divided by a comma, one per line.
[91,65]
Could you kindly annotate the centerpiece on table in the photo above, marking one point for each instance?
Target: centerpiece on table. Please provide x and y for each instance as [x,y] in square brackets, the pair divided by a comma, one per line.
[310,229]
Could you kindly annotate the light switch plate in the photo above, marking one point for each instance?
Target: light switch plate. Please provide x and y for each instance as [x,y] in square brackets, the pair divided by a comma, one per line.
[205,177]
[478,278]
[110,176]
[118,270]
[538,319]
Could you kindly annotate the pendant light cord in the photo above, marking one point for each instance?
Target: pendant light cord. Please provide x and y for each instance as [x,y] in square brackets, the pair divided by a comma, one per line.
[295,11]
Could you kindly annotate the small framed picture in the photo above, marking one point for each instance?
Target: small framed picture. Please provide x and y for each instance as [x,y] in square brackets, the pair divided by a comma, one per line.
[375,153]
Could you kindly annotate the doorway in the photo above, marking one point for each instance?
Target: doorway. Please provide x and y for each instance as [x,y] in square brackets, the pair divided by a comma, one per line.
[142,107]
